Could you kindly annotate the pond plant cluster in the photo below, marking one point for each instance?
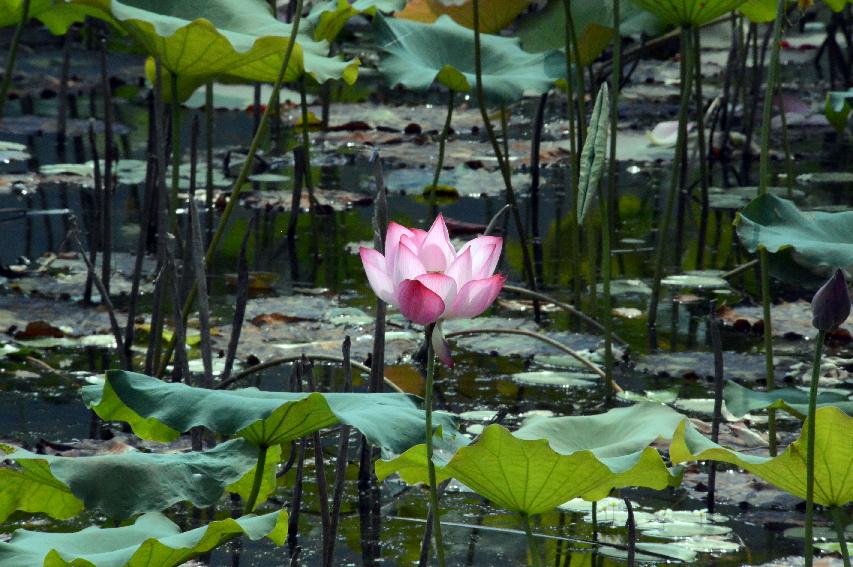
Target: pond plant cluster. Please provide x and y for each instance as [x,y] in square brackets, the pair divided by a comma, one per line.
[218,463]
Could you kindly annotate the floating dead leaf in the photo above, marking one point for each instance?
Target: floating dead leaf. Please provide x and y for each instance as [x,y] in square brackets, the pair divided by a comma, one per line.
[627,312]
[790,320]
[274,319]
[39,329]
[407,378]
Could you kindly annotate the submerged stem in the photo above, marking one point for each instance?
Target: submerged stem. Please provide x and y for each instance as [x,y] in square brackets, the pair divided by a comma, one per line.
[433,488]
[13,54]
[763,182]
[810,441]
[531,541]
[662,244]
[259,477]
[840,521]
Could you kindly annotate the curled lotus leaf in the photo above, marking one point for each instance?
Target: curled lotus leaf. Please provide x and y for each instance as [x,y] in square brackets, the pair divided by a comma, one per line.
[163,410]
[418,54]
[551,460]
[126,484]
[329,18]
[833,458]
[197,40]
[740,400]
[688,12]
[816,240]
[152,541]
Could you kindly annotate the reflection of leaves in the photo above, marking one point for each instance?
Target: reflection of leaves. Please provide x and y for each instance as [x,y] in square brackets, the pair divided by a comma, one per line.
[122,485]
[833,458]
[152,541]
[162,411]
[548,461]
[742,366]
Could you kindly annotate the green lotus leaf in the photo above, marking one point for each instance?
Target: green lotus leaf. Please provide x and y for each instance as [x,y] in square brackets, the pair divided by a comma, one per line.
[837,5]
[200,39]
[816,240]
[152,541]
[688,12]
[833,458]
[759,11]
[418,54]
[552,460]
[127,484]
[593,21]
[163,410]
[839,105]
[329,18]
[740,400]
[56,16]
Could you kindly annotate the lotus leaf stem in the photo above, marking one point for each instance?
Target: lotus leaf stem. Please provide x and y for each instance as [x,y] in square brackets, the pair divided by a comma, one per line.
[433,487]
[258,479]
[503,161]
[571,309]
[285,359]
[538,336]
[531,541]
[763,181]
[703,151]
[240,182]
[13,54]
[439,164]
[208,138]
[810,448]
[840,520]
[175,107]
[574,156]
[680,145]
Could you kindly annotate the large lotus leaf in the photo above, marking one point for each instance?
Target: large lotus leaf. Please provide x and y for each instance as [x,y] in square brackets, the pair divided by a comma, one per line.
[759,11]
[495,15]
[837,5]
[199,39]
[418,54]
[740,400]
[152,541]
[163,410]
[328,18]
[593,21]
[833,458]
[55,14]
[818,240]
[552,460]
[688,12]
[124,485]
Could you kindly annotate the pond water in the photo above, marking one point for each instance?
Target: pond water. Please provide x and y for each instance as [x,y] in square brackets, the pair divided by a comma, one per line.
[322,269]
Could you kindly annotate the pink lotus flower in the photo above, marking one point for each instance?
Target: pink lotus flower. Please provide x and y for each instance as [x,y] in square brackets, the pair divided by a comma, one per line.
[423,275]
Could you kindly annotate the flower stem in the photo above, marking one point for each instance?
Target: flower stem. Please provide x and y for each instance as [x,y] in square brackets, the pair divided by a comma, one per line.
[433,487]
[681,142]
[259,476]
[840,521]
[442,141]
[531,541]
[13,54]
[763,181]
[810,441]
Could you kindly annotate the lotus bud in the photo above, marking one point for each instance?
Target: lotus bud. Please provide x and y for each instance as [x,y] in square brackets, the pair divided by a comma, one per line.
[831,303]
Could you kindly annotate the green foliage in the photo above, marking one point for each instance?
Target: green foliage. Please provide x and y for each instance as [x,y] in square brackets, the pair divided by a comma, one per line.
[821,241]
[688,12]
[239,39]
[594,150]
[593,20]
[838,108]
[552,460]
[833,458]
[741,400]
[163,410]
[56,16]
[329,18]
[152,541]
[418,54]
[125,485]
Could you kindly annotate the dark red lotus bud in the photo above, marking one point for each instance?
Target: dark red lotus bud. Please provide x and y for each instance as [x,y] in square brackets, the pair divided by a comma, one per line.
[831,303]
